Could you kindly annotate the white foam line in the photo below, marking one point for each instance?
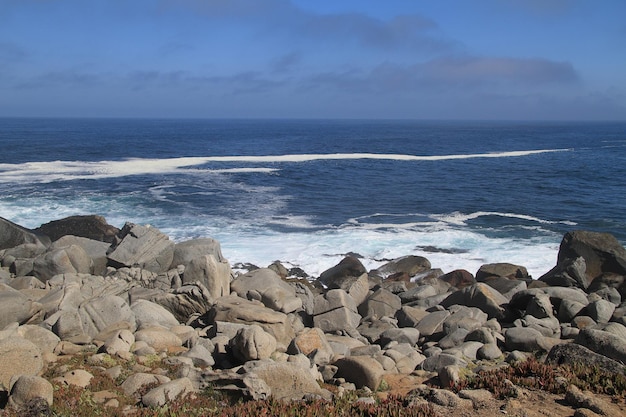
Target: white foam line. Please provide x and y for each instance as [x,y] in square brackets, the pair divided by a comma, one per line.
[460,219]
[70,170]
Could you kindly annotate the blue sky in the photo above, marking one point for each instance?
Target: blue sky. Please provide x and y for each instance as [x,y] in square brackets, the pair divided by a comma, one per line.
[406,59]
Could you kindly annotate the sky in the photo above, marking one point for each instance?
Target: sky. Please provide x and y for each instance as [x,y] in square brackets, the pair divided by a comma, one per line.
[357,59]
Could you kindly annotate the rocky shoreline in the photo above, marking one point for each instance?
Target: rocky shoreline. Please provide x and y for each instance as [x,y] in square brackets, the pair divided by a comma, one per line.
[79,286]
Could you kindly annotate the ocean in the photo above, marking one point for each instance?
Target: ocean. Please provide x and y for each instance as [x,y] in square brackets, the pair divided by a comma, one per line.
[307,192]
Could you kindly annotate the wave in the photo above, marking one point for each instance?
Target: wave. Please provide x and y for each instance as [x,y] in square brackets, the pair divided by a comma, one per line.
[72,170]
[460,219]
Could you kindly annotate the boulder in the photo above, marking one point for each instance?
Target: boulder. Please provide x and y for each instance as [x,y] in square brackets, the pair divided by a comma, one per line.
[239,310]
[362,371]
[89,226]
[284,380]
[567,273]
[185,252]
[43,338]
[525,339]
[409,316]
[382,303]
[602,342]
[273,291]
[349,268]
[99,313]
[67,260]
[95,249]
[142,246]
[148,314]
[159,396]
[459,278]
[431,326]
[502,270]
[184,302]
[135,382]
[253,343]
[159,338]
[478,295]
[212,273]
[574,354]
[12,235]
[410,265]
[600,310]
[335,311]
[25,388]
[16,307]
[313,344]
[602,252]
[19,357]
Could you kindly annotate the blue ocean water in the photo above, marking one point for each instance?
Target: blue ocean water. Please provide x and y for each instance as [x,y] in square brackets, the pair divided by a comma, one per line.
[306,192]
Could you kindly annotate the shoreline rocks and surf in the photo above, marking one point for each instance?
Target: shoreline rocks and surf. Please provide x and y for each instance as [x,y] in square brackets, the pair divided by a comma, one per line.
[79,285]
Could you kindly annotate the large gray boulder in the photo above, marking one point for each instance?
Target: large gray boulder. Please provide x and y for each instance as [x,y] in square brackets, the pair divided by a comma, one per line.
[252,343]
[507,270]
[349,269]
[19,357]
[235,309]
[12,235]
[142,246]
[95,249]
[601,251]
[382,303]
[66,260]
[25,388]
[410,265]
[213,274]
[291,380]
[335,311]
[362,371]
[266,285]
[605,343]
[16,307]
[184,302]
[187,251]
[89,226]
[99,313]
[478,295]
[149,314]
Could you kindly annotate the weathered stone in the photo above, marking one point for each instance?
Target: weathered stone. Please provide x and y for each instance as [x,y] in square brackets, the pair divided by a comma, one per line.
[90,226]
[213,274]
[253,343]
[275,293]
[16,307]
[569,309]
[95,249]
[359,289]
[410,265]
[585,399]
[437,362]
[136,382]
[186,301]
[293,380]
[408,335]
[506,286]
[449,375]
[26,283]
[381,303]
[119,343]
[185,252]
[417,293]
[459,278]
[602,342]
[432,324]
[67,260]
[238,310]
[363,371]
[574,354]
[525,339]
[601,310]
[99,313]
[77,377]
[28,387]
[142,246]
[166,392]
[348,269]
[43,338]
[159,338]
[12,235]
[501,270]
[19,357]
[409,316]
[489,351]
[148,314]
[567,273]
[478,295]
[313,344]
[601,251]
